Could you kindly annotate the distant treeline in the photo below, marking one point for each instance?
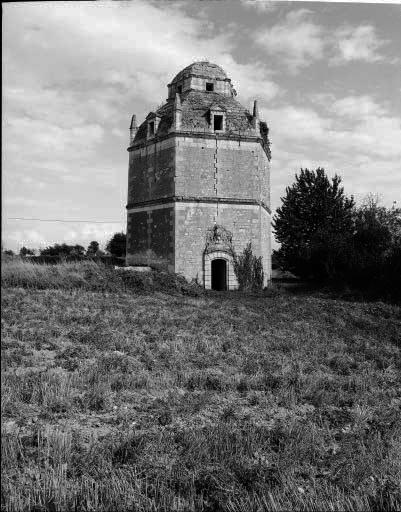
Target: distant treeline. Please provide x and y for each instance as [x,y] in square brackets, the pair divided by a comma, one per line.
[114,255]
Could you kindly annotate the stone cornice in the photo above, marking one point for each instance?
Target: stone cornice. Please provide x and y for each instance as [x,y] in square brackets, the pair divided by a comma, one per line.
[205,199]
[196,135]
[199,75]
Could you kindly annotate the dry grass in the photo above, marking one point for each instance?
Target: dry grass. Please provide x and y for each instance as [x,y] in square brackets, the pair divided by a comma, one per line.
[88,275]
[133,399]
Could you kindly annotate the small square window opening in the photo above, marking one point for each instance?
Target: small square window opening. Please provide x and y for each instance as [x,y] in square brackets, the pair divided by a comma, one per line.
[209,86]
[217,123]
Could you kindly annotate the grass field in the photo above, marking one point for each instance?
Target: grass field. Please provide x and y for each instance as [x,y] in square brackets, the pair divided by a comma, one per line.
[130,392]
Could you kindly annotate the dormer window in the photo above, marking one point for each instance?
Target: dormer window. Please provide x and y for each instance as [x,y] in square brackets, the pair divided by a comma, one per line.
[153,121]
[217,119]
[209,86]
[217,123]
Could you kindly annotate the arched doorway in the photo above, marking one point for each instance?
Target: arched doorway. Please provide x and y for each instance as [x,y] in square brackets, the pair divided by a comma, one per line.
[219,274]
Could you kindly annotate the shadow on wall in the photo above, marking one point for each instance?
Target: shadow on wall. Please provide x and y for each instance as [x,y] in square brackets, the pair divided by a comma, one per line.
[150,259]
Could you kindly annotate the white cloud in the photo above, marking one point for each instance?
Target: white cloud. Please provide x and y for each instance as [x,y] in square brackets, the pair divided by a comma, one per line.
[298,123]
[21,200]
[357,137]
[100,232]
[374,130]
[260,5]
[27,237]
[357,43]
[351,107]
[297,40]
[74,73]
[51,233]
[351,124]
[357,107]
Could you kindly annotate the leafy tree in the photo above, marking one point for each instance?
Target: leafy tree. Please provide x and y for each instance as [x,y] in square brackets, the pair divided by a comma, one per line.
[248,269]
[8,252]
[63,250]
[116,246]
[77,250]
[376,256]
[275,259]
[24,251]
[92,249]
[376,228]
[314,225]
[373,234]
[56,250]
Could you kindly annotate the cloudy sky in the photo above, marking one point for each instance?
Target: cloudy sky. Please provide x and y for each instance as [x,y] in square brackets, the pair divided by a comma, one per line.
[327,77]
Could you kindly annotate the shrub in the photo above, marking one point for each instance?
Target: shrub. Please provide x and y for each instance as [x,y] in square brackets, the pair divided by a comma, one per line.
[248,269]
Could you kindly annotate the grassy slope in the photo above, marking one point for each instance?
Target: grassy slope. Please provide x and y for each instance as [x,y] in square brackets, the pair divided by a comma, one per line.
[141,400]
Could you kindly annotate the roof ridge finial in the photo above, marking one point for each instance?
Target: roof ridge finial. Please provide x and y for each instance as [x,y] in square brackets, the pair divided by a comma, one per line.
[132,128]
[255,109]
[133,122]
[177,102]
[177,112]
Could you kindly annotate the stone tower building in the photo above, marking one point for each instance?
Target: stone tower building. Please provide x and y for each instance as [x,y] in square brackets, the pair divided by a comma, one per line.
[199,181]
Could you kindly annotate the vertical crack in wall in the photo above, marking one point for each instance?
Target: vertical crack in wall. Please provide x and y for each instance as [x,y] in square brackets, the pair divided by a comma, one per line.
[259,169]
[215,178]
[172,234]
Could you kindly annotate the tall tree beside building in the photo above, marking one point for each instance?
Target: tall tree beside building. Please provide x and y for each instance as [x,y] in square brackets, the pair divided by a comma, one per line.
[314,225]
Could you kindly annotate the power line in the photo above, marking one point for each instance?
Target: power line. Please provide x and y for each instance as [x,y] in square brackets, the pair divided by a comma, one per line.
[65,220]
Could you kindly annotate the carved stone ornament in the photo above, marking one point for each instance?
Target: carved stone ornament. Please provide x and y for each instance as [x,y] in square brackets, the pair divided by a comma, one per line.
[218,239]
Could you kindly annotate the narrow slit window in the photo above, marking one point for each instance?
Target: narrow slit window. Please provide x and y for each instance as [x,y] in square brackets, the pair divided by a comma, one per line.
[209,86]
[179,89]
[217,123]
[151,128]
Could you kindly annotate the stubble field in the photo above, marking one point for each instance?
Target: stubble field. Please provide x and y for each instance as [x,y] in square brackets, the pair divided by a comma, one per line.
[146,394]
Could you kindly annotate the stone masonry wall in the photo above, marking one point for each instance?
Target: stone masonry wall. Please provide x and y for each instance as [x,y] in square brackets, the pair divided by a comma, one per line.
[221,168]
[150,237]
[192,220]
[194,175]
[266,249]
[151,172]
[173,236]
[137,232]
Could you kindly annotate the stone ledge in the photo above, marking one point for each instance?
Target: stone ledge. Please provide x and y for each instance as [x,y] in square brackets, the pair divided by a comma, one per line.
[197,135]
[192,199]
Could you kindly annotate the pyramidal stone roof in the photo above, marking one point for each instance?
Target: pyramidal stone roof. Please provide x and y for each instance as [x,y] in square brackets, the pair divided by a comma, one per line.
[196,106]
[203,69]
